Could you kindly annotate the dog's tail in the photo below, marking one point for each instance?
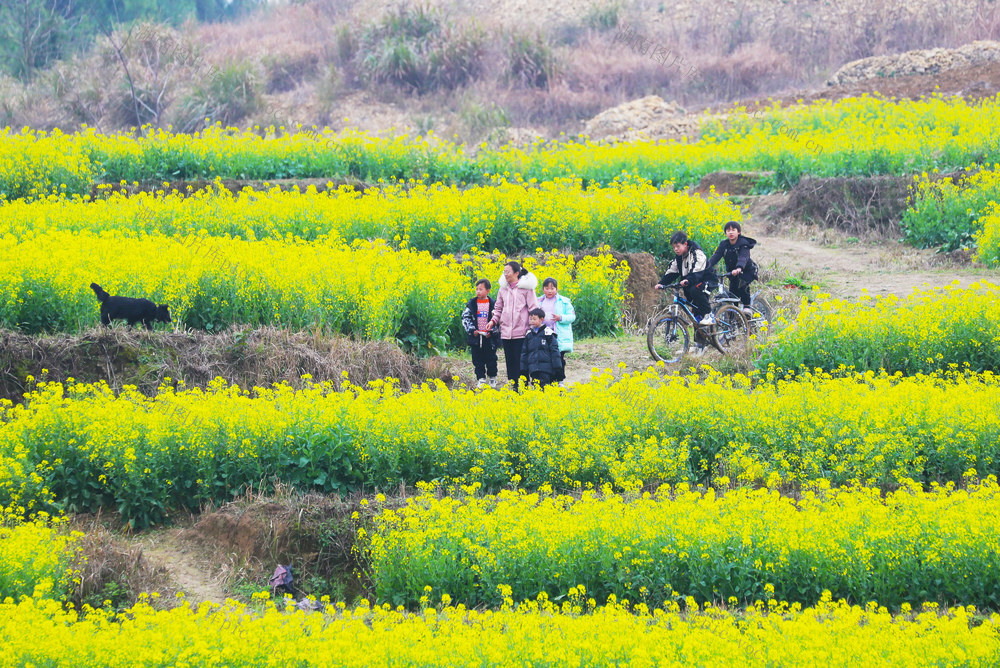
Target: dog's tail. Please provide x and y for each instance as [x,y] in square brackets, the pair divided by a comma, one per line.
[99,291]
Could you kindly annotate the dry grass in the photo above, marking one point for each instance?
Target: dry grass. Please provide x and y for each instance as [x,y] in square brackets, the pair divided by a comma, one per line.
[247,357]
[306,59]
[110,567]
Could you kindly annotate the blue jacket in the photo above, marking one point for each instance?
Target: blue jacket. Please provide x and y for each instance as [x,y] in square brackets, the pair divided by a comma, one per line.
[564,328]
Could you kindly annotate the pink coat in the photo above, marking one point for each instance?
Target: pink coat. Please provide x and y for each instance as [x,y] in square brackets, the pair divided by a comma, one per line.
[513,304]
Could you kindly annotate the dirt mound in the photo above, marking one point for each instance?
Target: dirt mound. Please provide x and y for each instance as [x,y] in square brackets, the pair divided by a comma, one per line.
[109,567]
[649,117]
[856,205]
[728,183]
[927,61]
[642,276]
[244,356]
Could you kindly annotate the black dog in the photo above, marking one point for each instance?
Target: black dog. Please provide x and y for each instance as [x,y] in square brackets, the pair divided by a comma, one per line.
[130,309]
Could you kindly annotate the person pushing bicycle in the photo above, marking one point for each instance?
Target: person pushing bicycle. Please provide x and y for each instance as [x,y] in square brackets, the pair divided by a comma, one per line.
[690,264]
[735,251]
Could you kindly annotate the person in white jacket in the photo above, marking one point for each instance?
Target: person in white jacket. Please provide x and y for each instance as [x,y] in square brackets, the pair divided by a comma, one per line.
[559,317]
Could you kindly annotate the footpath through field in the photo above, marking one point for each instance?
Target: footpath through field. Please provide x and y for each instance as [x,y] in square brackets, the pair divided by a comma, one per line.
[845,270]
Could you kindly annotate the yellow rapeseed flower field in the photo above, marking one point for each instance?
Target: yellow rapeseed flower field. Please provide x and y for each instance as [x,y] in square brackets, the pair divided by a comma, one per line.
[537,633]
[930,329]
[367,289]
[737,547]
[854,136]
[503,216]
[86,448]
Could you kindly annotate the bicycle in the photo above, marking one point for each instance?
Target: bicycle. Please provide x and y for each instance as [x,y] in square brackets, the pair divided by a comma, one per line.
[668,337]
[761,312]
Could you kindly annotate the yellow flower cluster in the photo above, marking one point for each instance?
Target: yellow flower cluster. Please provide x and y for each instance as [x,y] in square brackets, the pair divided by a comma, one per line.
[739,547]
[947,213]
[987,239]
[35,558]
[853,136]
[537,633]
[35,164]
[367,289]
[506,216]
[89,447]
[932,329]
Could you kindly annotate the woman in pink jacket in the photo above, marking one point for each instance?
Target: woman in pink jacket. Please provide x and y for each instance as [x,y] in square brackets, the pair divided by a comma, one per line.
[515,298]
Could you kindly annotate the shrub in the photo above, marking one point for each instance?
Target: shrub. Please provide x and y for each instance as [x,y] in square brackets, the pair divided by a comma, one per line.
[531,62]
[227,94]
[415,48]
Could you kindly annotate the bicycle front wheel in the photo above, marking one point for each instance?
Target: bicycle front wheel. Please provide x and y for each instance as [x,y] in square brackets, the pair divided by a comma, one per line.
[668,339]
[731,328]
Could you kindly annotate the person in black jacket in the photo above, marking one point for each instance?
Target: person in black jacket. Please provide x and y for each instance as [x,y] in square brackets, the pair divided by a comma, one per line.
[735,251]
[690,264]
[481,339]
[540,356]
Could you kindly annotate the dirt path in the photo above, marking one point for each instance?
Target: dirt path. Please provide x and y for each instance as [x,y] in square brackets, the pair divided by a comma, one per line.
[189,572]
[846,269]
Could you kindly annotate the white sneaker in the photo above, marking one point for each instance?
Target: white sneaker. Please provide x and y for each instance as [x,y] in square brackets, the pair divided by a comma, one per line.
[481,384]
[493,382]
[698,351]
[747,312]
[709,319]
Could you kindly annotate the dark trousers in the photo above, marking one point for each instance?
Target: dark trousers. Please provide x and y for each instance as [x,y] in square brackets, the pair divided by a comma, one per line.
[561,374]
[741,288]
[512,357]
[484,358]
[698,299]
[541,378]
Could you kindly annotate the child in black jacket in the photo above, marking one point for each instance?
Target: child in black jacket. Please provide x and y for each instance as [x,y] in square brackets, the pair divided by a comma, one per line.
[483,343]
[540,357]
[735,251]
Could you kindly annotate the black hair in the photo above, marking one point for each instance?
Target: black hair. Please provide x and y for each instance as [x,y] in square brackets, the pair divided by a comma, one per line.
[486,282]
[732,224]
[538,312]
[550,281]
[678,237]
[517,268]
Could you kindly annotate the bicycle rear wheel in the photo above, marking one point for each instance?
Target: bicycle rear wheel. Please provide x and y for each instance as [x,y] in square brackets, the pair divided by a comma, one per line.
[731,329]
[668,339]
[760,305]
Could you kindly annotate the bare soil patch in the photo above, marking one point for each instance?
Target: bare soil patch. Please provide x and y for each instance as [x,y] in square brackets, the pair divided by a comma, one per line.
[190,571]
